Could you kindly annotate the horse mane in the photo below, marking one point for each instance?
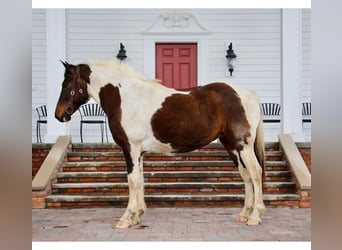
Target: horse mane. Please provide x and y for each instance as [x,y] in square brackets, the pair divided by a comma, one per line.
[122,69]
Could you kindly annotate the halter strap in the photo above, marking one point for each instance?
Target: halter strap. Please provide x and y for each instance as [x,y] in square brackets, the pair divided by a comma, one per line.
[77,79]
[77,87]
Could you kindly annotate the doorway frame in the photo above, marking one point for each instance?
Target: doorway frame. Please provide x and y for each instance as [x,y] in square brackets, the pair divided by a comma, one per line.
[202,54]
[193,48]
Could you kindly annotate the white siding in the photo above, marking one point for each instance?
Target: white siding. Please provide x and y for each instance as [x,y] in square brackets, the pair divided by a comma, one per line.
[98,33]
[39,88]
[306,55]
[255,35]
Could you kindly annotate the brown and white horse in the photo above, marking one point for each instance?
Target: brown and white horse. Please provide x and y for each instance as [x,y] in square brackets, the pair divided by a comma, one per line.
[145,116]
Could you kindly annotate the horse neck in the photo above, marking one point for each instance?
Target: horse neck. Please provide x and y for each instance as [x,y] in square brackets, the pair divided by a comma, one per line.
[98,79]
[93,92]
[130,84]
[101,79]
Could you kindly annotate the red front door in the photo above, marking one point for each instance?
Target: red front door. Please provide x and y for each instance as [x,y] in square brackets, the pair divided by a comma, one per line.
[176,64]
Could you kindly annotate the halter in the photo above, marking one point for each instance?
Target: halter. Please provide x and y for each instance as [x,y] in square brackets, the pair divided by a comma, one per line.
[77,87]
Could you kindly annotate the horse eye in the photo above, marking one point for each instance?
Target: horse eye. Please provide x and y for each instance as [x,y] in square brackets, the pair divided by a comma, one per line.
[72,93]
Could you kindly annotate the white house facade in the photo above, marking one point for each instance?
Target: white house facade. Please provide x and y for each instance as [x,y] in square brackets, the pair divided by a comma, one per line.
[273,49]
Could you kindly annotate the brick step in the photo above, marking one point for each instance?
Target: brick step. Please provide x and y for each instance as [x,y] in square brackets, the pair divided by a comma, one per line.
[276,165]
[149,165]
[192,156]
[274,155]
[169,200]
[167,187]
[164,166]
[110,147]
[166,176]
[118,156]
[93,147]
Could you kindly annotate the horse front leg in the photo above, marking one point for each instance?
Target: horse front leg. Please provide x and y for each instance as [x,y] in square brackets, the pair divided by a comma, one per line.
[136,207]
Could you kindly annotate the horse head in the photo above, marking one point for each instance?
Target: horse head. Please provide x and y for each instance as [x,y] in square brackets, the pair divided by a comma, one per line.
[74,90]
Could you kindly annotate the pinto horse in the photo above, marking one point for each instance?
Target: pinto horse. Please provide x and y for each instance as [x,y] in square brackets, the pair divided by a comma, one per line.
[145,116]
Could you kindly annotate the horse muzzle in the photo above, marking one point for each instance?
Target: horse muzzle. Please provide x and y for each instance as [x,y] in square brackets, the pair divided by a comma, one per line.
[63,116]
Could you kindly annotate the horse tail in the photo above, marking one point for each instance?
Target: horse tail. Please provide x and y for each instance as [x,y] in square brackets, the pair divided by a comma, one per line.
[259,146]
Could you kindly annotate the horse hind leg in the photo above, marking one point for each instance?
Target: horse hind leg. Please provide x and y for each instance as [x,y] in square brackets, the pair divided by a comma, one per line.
[254,170]
[249,193]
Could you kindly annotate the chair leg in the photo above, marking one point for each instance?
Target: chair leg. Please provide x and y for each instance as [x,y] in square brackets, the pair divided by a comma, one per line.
[106,131]
[37,132]
[81,133]
[101,132]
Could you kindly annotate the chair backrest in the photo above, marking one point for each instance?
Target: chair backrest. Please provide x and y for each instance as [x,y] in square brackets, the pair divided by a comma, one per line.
[42,112]
[306,108]
[91,110]
[271,109]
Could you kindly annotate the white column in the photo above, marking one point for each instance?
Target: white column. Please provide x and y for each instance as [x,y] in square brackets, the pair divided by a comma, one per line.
[291,73]
[55,51]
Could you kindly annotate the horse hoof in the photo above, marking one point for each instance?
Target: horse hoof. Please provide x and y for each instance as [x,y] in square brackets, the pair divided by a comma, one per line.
[123,224]
[241,218]
[253,222]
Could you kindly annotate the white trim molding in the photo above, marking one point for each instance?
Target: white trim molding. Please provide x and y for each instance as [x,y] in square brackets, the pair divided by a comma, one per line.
[55,51]
[176,23]
[291,73]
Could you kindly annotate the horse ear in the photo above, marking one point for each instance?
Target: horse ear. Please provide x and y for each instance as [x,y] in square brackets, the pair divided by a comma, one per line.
[65,63]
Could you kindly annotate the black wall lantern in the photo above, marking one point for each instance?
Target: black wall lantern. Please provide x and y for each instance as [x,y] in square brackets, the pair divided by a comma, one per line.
[230,58]
[122,53]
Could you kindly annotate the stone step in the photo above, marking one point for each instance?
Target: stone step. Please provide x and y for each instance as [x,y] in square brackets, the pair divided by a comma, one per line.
[167,187]
[174,200]
[158,176]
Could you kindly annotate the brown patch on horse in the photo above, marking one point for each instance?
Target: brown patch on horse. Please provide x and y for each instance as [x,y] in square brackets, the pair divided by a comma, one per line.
[190,121]
[111,104]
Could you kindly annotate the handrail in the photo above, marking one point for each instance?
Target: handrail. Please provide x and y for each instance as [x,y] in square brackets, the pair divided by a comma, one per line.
[51,163]
[296,161]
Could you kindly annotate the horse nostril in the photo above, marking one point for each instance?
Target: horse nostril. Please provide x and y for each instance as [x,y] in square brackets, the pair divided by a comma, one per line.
[69,110]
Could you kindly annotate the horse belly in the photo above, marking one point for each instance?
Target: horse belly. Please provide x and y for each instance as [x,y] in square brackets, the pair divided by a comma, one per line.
[151,144]
[180,140]
[184,124]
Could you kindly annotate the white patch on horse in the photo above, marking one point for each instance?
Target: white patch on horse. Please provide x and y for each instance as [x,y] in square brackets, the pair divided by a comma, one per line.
[252,175]
[136,111]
